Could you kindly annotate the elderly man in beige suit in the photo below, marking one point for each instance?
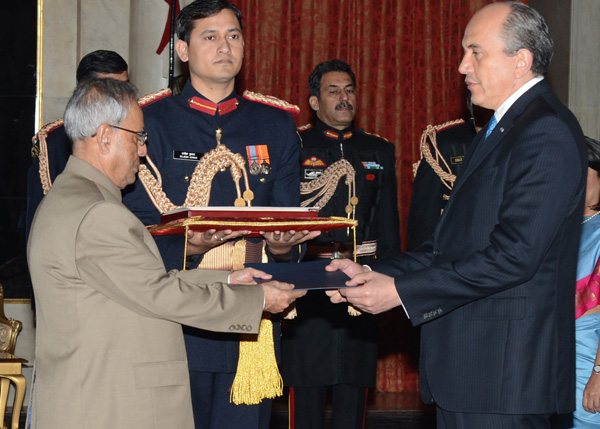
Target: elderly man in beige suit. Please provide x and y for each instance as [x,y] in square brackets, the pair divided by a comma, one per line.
[109,347]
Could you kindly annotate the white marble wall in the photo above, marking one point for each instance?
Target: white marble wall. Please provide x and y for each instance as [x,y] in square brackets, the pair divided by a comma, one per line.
[575,69]
[73,28]
[584,83]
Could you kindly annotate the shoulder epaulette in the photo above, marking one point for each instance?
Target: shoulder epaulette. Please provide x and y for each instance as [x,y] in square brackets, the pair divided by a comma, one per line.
[447,125]
[155,96]
[41,152]
[431,131]
[429,138]
[304,127]
[40,149]
[50,126]
[375,135]
[269,100]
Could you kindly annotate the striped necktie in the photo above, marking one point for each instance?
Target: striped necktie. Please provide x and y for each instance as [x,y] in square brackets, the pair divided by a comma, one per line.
[491,125]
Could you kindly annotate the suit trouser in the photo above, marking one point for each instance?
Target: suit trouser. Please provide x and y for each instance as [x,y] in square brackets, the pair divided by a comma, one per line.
[307,404]
[452,420]
[212,409]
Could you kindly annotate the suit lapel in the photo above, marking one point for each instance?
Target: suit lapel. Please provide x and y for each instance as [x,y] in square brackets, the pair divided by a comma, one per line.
[481,149]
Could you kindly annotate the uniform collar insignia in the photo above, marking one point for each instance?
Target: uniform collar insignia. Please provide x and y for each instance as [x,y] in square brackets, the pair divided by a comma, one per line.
[337,136]
[211,108]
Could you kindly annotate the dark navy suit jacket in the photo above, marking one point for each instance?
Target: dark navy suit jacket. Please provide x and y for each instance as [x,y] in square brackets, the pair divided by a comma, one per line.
[494,289]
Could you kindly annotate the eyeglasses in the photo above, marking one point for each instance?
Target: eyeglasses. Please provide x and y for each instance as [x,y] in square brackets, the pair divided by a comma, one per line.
[142,136]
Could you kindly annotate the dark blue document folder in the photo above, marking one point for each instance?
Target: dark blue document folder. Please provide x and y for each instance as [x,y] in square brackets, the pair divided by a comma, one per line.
[304,275]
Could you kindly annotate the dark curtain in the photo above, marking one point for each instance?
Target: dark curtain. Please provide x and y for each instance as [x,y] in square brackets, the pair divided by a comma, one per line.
[405,54]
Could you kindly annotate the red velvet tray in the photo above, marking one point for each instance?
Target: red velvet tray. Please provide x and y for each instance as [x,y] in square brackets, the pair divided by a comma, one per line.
[236,212]
[253,219]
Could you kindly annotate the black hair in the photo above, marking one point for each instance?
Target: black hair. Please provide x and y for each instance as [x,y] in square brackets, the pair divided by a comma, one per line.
[199,9]
[314,80]
[593,152]
[100,61]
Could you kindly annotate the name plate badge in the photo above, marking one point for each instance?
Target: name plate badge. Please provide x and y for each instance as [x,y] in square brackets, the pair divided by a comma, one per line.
[187,156]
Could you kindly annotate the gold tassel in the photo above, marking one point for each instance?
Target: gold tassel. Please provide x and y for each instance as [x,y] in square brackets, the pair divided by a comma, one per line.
[257,374]
[353,311]
[291,313]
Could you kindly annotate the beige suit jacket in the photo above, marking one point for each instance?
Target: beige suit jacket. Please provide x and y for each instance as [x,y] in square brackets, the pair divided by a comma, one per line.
[109,347]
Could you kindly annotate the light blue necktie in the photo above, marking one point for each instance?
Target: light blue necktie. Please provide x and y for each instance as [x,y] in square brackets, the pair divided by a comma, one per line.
[491,125]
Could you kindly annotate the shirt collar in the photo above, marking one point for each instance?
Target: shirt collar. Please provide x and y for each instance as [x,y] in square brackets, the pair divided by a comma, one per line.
[515,96]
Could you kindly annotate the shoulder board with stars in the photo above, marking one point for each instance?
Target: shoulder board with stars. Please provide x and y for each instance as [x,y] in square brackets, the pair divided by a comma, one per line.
[271,101]
[155,96]
[375,135]
[304,127]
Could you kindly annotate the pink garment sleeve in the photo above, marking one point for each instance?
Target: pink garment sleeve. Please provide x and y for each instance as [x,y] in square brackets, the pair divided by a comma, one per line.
[587,291]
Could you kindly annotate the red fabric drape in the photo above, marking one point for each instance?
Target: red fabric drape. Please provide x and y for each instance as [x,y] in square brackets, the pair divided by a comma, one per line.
[405,54]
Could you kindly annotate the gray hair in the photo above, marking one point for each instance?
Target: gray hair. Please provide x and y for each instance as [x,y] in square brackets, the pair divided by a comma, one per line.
[96,102]
[524,28]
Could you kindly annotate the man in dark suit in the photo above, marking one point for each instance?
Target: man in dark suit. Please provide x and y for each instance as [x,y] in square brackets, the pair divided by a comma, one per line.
[493,290]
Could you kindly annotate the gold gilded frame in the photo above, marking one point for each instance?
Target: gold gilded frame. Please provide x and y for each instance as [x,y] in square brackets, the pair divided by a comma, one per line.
[40,66]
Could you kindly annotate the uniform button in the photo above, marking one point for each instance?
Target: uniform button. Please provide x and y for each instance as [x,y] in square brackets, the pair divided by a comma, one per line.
[436,252]
[262,180]
[186,178]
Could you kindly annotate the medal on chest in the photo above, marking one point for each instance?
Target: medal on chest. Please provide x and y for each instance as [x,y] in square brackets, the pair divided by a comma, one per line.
[258,159]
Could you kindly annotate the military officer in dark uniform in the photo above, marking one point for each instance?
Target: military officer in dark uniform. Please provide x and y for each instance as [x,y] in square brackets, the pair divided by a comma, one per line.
[181,130]
[443,148]
[324,347]
[96,64]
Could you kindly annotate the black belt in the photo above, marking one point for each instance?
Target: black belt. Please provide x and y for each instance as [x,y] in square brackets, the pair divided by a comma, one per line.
[336,250]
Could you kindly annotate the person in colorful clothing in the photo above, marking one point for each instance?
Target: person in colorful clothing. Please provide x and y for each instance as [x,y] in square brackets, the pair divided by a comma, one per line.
[587,302]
